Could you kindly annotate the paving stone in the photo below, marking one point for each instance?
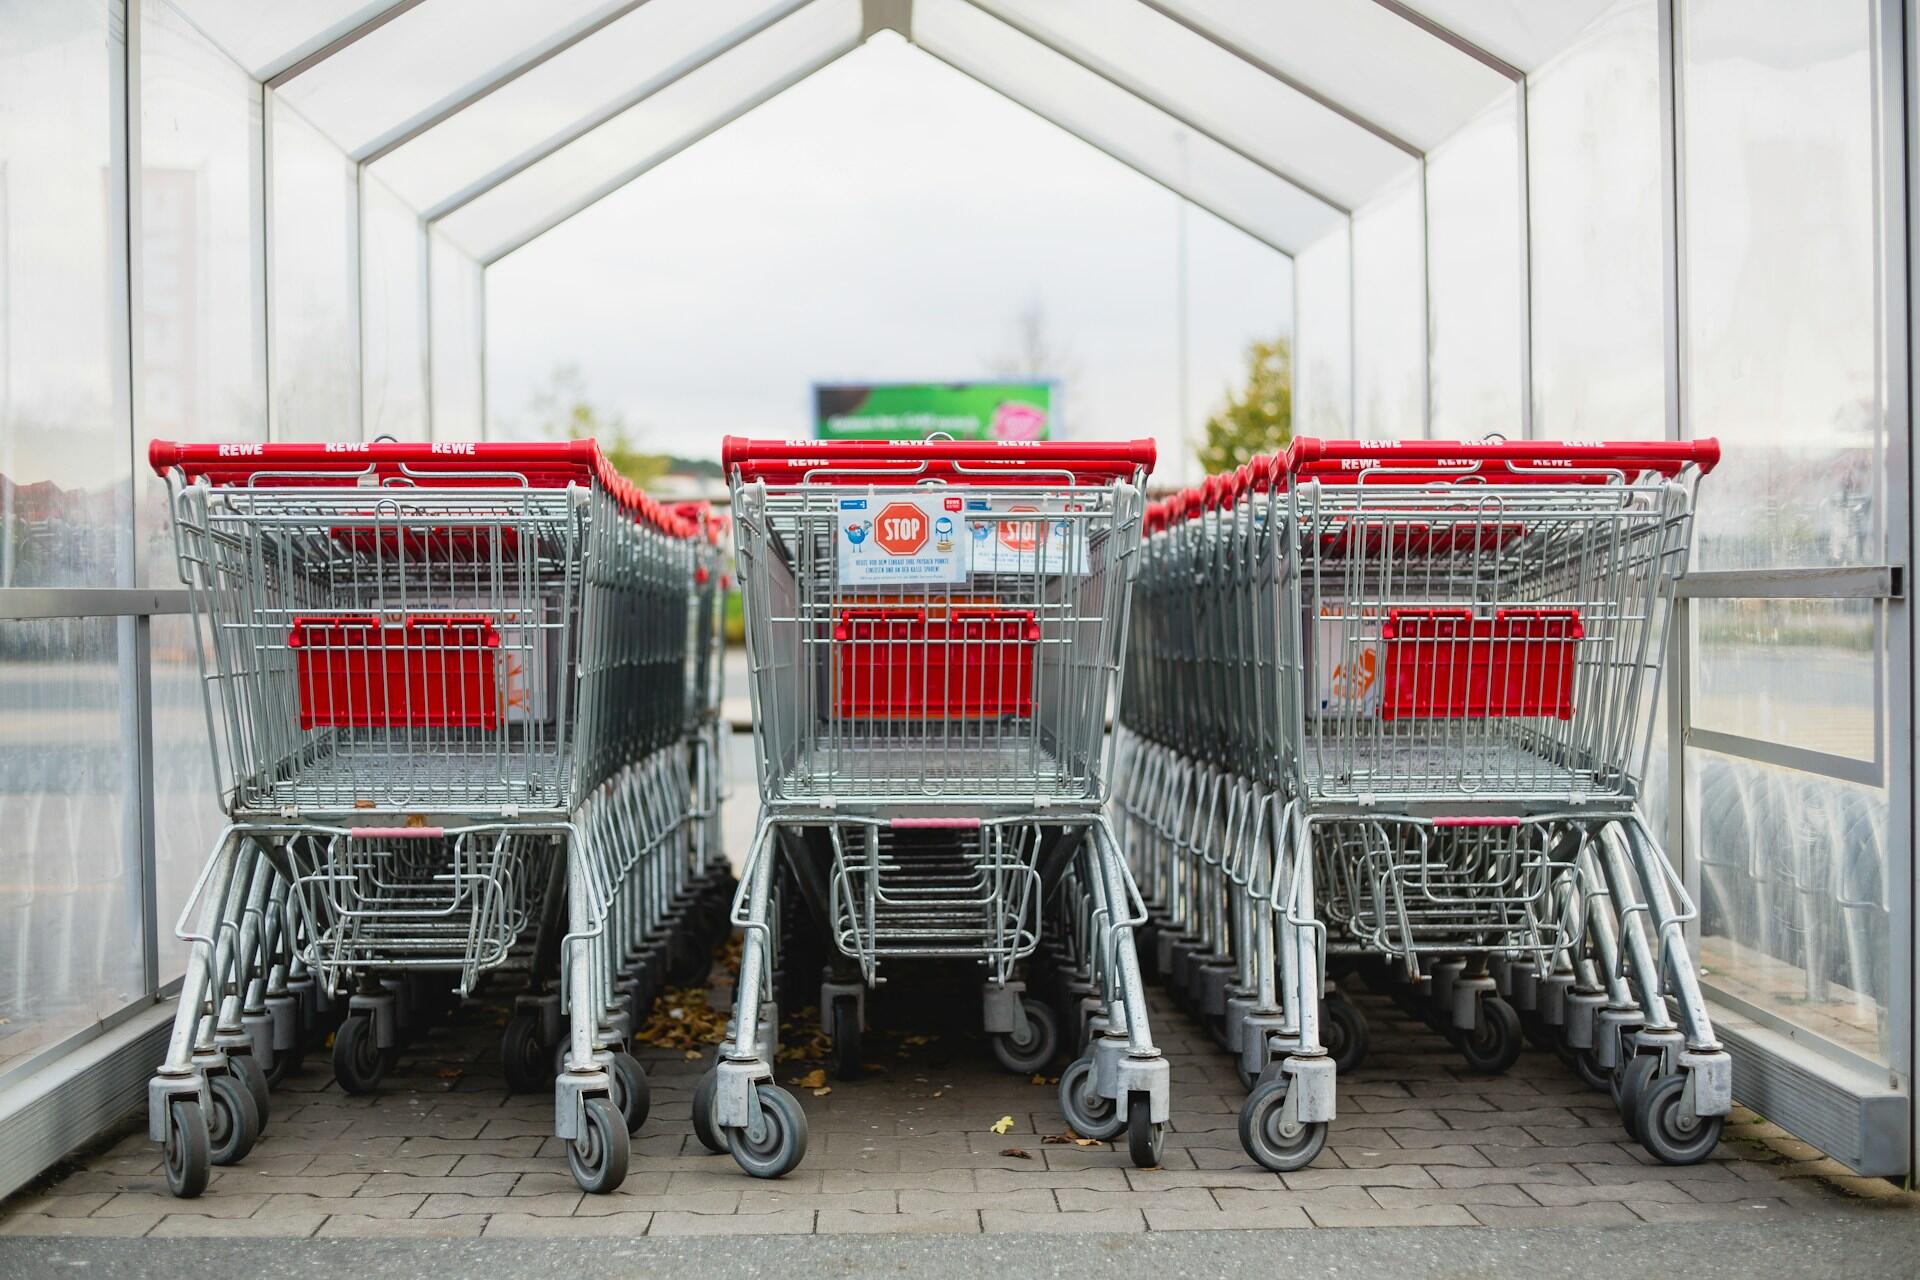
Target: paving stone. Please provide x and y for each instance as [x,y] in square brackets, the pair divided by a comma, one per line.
[557,1204]
[1101,1221]
[929,1222]
[355,1224]
[785,1222]
[1491,1135]
[242,1178]
[41,1224]
[1559,1174]
[620,1201]
[1079,1200]
[765,1197]
[1438,1215]
[1755,1206]
[53,1204]
[527,1224]
[1275,1216]
[1252,1179]
[1423,1197]
[1318,1177]
[1032,1199]
[1569,1194]
[368,1206]
[407,1184]
[1378,1158]
[293,1225]
[1091,1178]
[148,1203]
[1575,1215]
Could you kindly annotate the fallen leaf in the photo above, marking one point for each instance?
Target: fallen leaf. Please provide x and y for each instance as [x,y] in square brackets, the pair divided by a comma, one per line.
[1016,1153]
[823,1091]
[1040,1079]
[936,1093]
[693,1055]
[1003,1125]
[451,1073]
[814,1079]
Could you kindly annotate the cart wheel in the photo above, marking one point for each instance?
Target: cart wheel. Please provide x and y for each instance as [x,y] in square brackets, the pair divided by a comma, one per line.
[1248,1079]
[632,1095]
[1540,1033]
[189,1154]
[1587,1067]
[1089,1114]
[703,1126]
[846,1038]
[1628,1083]
[598,1157]
[286,1062]
[524,1060]
[1026,1053]
[775,1143]
[1494,1043]
[254,1076]
[233,1124]
[1270,1140]
[1671,1133]
[1144,1137]
[1344,1032]
[358,1064]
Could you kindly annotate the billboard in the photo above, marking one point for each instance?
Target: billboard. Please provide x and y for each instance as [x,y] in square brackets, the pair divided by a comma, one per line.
[915,410]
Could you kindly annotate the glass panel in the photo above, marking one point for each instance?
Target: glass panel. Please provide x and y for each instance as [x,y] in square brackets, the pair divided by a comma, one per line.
[393,300]
[380,84]
[459,330]
[592,81]
[186,806]
[65,466]
[312,284]
[1323,315]
[1593,148]
[1781,288]
[1127,128]
[266,38]
[1337,47]
[70,902]
[1525,33]
[1799,672]
[1794,895]
[1476,300]
[1231,99]
[202,282]
[646,134]
[1389,317]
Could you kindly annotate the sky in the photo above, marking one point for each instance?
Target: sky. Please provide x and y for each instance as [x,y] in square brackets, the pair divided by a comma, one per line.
[888,218]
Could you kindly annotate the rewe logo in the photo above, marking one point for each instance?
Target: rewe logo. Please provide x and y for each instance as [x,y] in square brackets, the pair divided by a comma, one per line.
[900,529]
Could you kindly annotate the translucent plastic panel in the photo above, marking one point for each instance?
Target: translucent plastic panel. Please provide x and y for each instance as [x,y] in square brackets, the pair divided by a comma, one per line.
[427,59]
[266,36]
[1323,322]
[1390,317]
[1593,149]
[1781,350]
[596,78]
[312,284]
[1797,891]
[1236,102]
[459,330]
[186,806]
[1798,672]
[202,313]
[1126,127]
[393,315]
[70,913]
[65,514]
[648,133]
[1525,33]
[1337,49]
[1476,306]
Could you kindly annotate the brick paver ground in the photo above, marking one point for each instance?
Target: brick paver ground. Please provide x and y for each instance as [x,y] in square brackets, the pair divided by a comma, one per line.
[444,1151]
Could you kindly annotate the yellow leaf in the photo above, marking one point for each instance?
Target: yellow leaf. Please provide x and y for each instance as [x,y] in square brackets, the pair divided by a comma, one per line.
[1003,1124]
[823,1091]
[451,1073]
[693,1055]
[814,1079]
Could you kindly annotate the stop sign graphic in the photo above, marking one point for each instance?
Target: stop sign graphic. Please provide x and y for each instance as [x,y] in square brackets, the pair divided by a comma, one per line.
[1020,535]
[900,529]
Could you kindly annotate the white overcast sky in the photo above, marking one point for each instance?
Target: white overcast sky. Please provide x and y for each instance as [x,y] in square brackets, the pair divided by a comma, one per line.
[887,218]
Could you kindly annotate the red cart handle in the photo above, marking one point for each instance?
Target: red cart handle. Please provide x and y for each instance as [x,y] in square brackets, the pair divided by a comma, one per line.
[871,461]
[542,464]
[1551,461]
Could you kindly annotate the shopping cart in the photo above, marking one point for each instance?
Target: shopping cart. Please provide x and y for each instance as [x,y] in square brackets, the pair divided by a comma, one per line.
[447,695]
[1446,728]
[934,631]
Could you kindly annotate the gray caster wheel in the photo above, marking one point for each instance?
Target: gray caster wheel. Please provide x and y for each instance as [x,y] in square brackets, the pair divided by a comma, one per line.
[1026,1053]
[703,1126]
[775,1143]
[233,1124]
[1268,1138]
[189,1154]
[1629,1081]
[358,1064]
[631,1093]
[1494,1043]
[1344,1032]
[1670,1133]
[598,1157]
[1089,1114]
[1144,1137]
[524,1059]
[846,1038]
[254,1076]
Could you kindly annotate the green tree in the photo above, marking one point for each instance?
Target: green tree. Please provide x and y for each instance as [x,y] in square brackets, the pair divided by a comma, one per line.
[563,412]
[1259,417]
